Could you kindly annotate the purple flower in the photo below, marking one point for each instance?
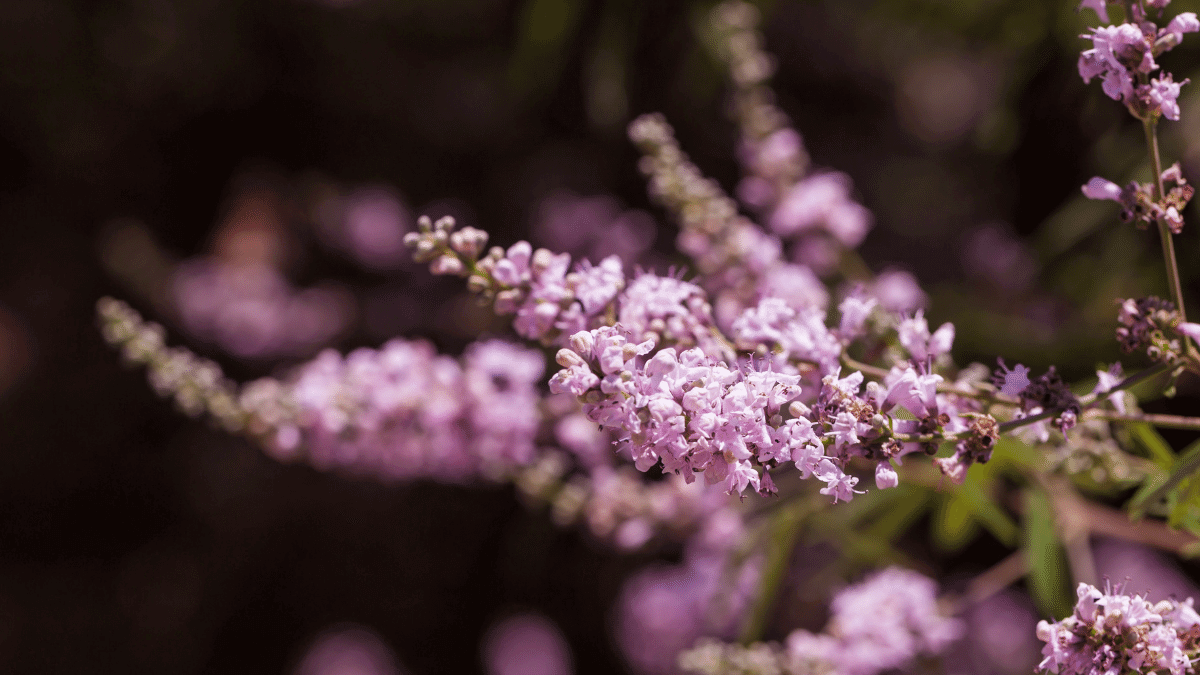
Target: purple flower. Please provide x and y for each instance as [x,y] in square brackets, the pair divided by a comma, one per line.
[854,310]
[1185,22]
[886,476]
[1164,95]
[1107,379]
[914,336]
[1117,53]
[1101,188]
[1111,632]
[880,624]
[822,201]
[1098,6]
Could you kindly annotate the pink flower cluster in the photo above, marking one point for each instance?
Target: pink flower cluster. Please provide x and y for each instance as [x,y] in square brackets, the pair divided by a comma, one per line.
[403,411]
[877,625]
[690,412]
[882,624]
[1123,58]
[1113,634]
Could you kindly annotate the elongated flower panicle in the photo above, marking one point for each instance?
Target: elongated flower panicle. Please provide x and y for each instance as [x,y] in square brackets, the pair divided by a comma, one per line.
[1113,633]
[813,212]
[1123,57]
[549,299]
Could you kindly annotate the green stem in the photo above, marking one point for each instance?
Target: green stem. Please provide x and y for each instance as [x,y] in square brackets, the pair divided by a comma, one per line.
[1164,231]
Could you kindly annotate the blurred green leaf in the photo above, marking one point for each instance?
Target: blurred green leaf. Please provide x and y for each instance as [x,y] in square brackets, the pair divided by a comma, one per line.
[953,525]
[976,493]
[781,541]
[907,506]
[544,29]
[1180,488]
[1155,445]
[1049,577]
[1140,503]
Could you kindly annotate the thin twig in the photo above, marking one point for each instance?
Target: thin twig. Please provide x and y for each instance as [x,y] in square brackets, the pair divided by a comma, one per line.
[1168,421]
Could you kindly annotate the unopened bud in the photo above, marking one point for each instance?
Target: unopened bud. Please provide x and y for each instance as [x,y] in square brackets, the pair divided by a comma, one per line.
[567,358]
[583,342]
[446,264]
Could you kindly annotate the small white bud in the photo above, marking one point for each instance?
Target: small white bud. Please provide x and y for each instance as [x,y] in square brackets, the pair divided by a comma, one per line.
[567,358]
[583,342]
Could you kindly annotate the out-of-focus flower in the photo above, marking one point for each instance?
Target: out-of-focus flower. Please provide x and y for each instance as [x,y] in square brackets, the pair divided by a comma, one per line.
[594,228]
[351,650]
[1100,7]
[897,291]
[369,224]
[252,311]
[526,644]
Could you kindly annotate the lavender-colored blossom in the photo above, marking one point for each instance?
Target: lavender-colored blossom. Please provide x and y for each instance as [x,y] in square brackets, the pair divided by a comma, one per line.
[921,345]
[403,412]
[253,312]
[897,291]
[854,310]
[1117,54]
[822,201]
[1102,188]
[669,310]
[795,334]
[879,624]
[1098,6]
[1164,95]
[1106,380]
[1013,381]
[689,412]
[1116,633]
[1184,22]
[886,476]
[1191,330]
[913,391]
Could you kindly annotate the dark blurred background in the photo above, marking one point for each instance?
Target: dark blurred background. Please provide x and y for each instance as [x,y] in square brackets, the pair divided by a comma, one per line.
[133,539]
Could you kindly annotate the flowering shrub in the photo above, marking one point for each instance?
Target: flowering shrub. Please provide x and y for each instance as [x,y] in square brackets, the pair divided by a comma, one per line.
[696,404]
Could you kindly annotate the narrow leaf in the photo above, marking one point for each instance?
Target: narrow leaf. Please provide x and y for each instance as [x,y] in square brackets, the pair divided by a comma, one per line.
[1049,576]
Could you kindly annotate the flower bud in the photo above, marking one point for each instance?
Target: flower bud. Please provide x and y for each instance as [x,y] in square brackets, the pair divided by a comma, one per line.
[583,342]
[567,358]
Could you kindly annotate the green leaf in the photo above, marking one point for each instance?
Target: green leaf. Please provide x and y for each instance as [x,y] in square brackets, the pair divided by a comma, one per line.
[1049,577]
[953,525]
[545,28]
[908,505]
[1155,445]
[977,492]
[1184,467]
[784,527]
[1140,502]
